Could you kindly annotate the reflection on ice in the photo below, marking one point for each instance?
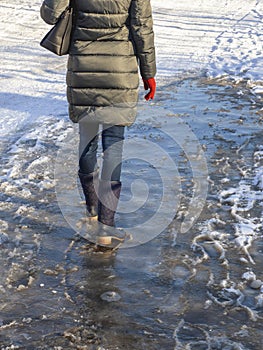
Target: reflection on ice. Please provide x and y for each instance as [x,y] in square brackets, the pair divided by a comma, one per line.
[201,289]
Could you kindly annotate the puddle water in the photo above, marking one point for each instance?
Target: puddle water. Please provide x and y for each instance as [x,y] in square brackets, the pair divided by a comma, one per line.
[195,289]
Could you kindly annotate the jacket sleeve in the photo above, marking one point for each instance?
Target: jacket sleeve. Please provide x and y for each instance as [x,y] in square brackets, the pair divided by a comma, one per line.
[51,10]
[141,25]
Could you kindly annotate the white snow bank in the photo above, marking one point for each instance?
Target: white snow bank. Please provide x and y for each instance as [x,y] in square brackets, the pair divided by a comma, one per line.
[222,37]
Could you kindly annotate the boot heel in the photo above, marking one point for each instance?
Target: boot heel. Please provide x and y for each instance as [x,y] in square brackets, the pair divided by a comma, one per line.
[105,241]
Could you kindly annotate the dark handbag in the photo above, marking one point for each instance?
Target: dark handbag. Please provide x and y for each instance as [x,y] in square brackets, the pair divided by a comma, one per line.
[58,39]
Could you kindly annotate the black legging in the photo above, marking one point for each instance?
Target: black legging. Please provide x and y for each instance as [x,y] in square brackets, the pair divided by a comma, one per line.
[112,145]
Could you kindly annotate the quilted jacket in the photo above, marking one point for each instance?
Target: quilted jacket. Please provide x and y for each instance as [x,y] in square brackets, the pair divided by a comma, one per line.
[111,39]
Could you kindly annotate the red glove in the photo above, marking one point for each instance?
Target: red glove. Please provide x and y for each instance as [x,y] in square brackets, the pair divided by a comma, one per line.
[150,84]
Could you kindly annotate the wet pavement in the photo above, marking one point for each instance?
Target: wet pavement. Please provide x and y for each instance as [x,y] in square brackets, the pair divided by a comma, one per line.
[199,289]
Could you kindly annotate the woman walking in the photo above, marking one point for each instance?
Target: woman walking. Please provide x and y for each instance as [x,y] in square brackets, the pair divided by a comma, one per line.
[110,40]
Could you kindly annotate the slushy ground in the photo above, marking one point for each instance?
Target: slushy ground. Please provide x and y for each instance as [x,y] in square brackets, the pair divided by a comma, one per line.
[192,277]
[179,290]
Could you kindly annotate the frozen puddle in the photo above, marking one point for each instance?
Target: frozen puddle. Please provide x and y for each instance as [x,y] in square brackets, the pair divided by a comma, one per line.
[244,203]
[196,284]
[194,289]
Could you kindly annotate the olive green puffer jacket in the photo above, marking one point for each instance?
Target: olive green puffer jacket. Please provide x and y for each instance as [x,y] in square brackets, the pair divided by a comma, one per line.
[110,38]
